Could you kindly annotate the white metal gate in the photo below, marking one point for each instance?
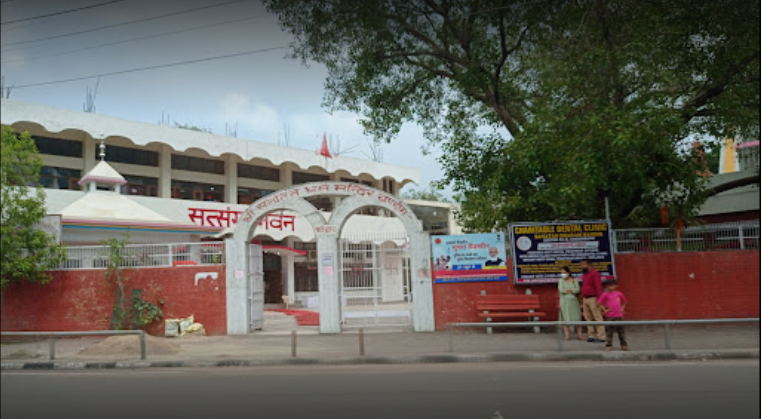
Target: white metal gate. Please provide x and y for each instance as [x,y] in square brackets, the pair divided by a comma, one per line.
[375,281]
[256,288]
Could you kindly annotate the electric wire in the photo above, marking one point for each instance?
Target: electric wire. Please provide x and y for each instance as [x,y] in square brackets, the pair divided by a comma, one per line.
[108,44]
[106,3]
[152,67]
[122,24]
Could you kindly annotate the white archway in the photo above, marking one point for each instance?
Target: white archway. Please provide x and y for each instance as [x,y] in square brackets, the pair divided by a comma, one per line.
[327,235]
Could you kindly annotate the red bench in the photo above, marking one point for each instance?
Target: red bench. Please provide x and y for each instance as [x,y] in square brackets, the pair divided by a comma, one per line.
[510,306]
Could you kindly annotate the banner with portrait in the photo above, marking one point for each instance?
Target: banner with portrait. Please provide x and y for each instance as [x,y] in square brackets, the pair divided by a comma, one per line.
[470,258]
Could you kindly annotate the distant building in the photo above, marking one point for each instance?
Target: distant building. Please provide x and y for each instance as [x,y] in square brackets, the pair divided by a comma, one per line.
[737,184]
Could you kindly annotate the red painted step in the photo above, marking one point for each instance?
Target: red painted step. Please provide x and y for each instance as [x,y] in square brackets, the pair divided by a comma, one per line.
[303,317]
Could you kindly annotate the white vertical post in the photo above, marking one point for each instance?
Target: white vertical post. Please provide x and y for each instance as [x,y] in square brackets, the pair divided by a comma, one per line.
[536,329]
[328,284]
[488,330]
[375,279]
[741,237]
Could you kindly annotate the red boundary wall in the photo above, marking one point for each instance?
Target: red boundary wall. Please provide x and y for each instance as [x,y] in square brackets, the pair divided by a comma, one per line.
[658,286]
[83,299]
[691,285]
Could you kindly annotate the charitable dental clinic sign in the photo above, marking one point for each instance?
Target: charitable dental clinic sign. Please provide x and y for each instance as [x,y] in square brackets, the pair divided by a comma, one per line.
[470,258]
[540,250]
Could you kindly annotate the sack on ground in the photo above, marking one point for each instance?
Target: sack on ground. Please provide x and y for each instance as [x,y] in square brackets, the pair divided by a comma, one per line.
[171,327]
[185,323]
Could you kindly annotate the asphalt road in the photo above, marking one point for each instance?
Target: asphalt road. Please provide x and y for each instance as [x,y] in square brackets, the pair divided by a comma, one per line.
[717,389]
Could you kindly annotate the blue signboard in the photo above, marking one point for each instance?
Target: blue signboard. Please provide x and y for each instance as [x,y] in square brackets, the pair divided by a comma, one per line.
[470,258]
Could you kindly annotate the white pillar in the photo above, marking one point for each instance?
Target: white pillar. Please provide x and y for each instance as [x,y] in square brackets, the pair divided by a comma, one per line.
[236,304]
[231,179]
[165,172]
[328,284]
[421,279]
[287,271]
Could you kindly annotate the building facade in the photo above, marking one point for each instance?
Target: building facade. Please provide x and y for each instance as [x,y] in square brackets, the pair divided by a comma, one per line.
[182,186]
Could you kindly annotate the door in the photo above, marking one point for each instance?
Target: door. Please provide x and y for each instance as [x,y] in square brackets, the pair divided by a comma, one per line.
[256,288]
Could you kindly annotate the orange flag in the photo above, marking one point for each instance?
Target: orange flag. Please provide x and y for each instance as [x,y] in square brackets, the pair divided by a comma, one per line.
[325,147]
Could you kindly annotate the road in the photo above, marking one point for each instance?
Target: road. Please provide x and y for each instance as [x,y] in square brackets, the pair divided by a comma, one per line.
[713,389]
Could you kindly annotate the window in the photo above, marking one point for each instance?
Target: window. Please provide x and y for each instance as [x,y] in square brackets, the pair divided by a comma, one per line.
[58,147]
[59,178]
[320,202]
[129,155]
[302,177]
[259,172]
[248,195]
[198,164]
[389,186]
[139,185]
[323,203]
[197,191]
[362,182]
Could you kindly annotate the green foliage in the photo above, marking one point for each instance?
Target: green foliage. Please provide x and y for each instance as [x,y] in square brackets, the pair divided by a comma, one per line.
[545,108]
[28,253]
[140,312]
[430,194]
[115,276]
[192,127]
[144,312]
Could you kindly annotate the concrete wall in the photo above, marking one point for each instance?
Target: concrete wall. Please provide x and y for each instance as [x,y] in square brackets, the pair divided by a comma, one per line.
[658,286]
[82,300]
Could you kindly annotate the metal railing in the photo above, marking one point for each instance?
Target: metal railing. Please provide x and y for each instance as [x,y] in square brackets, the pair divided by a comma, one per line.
[558,325]
[53,335]
[146,255]
[730,236]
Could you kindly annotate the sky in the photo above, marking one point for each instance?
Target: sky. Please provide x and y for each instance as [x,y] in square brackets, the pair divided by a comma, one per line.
[261,95]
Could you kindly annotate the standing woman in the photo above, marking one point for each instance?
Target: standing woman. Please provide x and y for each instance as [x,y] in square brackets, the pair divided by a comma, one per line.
[569,305]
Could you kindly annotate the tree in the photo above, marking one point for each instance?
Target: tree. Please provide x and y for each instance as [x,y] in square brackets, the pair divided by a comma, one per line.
[192,127]
[545,109]
[28,252]
[430,194]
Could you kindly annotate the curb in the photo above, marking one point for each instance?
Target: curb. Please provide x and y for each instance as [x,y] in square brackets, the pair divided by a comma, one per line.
[650,356]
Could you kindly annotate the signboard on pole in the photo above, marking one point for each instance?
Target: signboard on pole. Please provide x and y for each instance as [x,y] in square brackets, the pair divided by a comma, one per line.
[470,258]
[540,250]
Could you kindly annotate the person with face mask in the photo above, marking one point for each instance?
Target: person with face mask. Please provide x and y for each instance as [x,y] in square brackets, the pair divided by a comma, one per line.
[569,306]
[591,289]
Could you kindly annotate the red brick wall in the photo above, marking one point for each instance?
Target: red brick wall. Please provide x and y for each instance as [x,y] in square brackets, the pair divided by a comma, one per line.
[83,300]
[658,286]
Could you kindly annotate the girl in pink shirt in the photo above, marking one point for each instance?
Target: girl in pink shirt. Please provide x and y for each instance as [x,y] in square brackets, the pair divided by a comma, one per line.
[612,303]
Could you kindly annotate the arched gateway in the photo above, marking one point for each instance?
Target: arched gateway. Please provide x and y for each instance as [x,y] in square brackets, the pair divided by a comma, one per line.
[241,258]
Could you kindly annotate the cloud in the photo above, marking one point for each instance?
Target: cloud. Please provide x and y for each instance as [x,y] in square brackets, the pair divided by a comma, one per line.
[259,119]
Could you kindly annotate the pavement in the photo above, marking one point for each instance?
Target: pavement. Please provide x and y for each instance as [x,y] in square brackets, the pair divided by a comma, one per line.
[273,346]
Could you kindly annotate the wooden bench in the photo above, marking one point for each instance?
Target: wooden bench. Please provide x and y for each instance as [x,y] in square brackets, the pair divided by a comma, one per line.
[508,306]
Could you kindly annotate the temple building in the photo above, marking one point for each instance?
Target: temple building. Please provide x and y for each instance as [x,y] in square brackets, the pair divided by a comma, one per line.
[108,177]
